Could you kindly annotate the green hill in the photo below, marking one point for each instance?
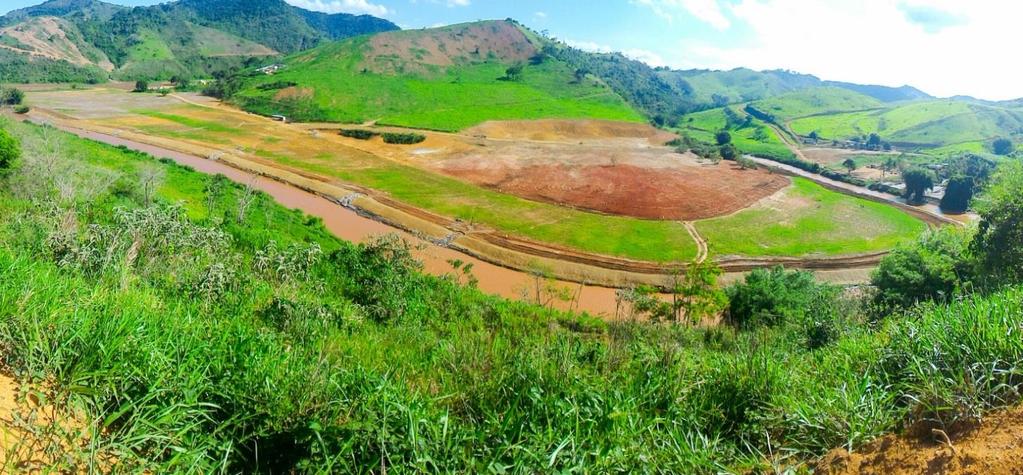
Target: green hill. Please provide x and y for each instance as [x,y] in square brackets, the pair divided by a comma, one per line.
[186,38]
[929,124]
[820,100]
[444,79]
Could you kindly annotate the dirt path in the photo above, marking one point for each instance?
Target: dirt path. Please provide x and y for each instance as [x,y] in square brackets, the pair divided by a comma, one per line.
[995,446]
[701,244]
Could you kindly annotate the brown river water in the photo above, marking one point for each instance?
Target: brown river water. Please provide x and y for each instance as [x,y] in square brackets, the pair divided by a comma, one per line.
[346,224]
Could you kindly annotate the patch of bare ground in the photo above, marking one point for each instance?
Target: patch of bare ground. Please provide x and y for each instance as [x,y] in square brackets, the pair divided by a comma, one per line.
[46,37]
[568,130]
[458,44]
[994,446]
[37,435]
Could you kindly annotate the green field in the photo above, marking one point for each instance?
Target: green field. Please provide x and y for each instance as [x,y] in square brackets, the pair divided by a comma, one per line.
[650,240]
[425,96]
[821,223]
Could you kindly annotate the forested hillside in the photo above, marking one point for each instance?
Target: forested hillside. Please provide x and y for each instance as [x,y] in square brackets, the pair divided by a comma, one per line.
[188,38]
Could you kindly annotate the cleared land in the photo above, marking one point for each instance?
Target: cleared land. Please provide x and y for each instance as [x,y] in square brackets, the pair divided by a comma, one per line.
[411,175]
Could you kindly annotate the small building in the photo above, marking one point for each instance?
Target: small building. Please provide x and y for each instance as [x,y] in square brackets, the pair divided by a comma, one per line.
[279,118]
[271,69]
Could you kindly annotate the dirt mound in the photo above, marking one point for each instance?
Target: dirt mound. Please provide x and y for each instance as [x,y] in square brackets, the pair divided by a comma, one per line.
[566,130]
[46,37]
[994,446]
[398,51]
[689,193]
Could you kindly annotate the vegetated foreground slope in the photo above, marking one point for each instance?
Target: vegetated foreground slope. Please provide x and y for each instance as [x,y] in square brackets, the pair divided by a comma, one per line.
[184,39]
[446,78]
[212,330]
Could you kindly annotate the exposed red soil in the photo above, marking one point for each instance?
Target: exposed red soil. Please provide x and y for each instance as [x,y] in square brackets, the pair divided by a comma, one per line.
[994,446]
[687,193]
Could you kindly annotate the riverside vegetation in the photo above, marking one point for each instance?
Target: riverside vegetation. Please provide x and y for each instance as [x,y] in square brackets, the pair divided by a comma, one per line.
[191,324]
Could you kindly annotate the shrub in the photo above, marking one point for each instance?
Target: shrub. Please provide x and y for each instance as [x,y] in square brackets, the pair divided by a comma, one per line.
[10,149]
[11,96]
[141,86]
[933,267]
[21,109]
[723,137]
[276,85]
[729,152]
[770,297]
[403,139]
[358,134]
[997,244]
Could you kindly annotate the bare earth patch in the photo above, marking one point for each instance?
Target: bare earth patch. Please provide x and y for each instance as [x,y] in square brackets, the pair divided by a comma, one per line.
[994,447]
[569,130]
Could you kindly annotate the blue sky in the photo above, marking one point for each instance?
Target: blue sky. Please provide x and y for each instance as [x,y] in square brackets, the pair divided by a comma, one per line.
[945,47]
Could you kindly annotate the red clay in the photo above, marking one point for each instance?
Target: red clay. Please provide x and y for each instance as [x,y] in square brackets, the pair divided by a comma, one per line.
[684,193]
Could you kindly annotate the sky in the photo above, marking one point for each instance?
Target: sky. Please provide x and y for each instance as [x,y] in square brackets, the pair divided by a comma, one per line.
[944,47]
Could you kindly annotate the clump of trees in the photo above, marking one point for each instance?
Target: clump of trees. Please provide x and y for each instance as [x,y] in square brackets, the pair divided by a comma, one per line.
[513,73]
[918,181]
[360,134]
[141,86]
[403,139]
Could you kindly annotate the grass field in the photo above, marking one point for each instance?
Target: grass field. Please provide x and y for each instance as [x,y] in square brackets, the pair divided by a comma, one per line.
[662,241]
[816,101]
[334,85]
[810,220]
[838,224]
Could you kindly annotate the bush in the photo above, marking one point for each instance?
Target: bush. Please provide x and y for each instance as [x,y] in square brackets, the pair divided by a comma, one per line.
[770,297]
[11,96]
[276,85]
[997,244]
[934,267]
[10,149]
[403,139]
[729,152]
[141,86]
[21,109]
[358,134]
[723,137]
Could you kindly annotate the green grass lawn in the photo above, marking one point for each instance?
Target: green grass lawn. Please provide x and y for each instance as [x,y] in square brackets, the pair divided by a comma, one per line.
[448,99]
[827,223]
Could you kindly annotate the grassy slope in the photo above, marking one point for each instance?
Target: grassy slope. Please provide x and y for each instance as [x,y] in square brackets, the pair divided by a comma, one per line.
[816,101]
[306,375]
[937,123]
[704,125]
[829,223]
[451,98]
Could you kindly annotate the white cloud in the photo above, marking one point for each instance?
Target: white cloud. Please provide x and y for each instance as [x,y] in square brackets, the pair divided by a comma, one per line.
[949,49]
[342,6]
[708,11]
[458,3]
[540,15]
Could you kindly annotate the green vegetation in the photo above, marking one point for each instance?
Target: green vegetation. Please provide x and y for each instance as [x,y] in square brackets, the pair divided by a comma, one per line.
[21,68]
[11,96]
[403,138]
[361,134]
[10,150]
[749,135]
[816,101]
[194,337]
[809,220]
[350,82]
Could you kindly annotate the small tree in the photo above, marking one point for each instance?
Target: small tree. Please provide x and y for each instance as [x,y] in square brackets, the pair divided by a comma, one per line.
[141,86]
[958,194]
[1003,146]
[10,150]
[723,137]
[997,244]
[513,73]
[874,141]
[580,75]
[11,96]
[729,152]
[850,165]
[918,181]
[814,136]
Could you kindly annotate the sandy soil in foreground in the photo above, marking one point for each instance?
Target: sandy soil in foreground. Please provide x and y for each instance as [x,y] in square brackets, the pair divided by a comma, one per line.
[994,446]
